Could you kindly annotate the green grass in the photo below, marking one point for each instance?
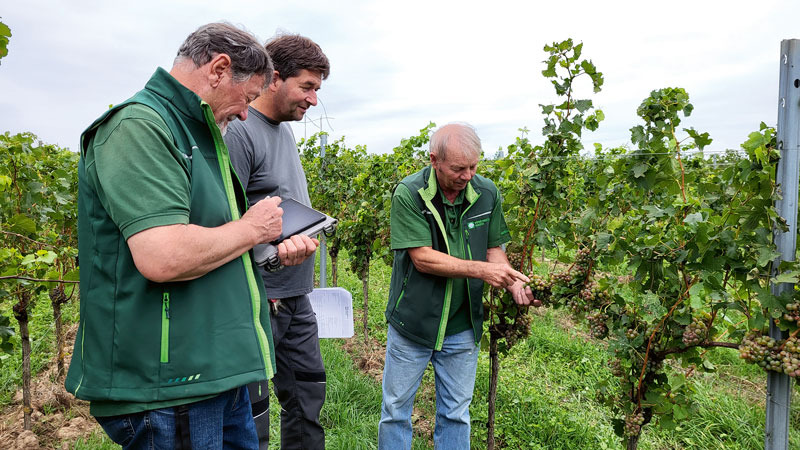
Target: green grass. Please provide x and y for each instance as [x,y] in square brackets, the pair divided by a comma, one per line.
[548,392]
[42,335]
[352,404]
[95,441]
[546,395]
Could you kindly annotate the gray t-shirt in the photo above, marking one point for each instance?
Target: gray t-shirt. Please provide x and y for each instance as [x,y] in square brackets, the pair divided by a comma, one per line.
[264,155]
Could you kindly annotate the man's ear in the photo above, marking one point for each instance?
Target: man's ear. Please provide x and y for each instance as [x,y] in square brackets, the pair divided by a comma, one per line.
[276,80]
[217,68]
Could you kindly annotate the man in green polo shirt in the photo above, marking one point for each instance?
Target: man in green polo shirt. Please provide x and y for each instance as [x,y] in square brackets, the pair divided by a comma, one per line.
[447,229]
[168,286]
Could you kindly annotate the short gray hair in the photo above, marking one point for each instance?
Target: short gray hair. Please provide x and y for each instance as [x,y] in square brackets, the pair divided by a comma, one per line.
[248,56]
[463,133]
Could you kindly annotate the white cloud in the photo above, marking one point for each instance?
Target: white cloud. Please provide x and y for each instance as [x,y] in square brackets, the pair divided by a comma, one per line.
[396,66]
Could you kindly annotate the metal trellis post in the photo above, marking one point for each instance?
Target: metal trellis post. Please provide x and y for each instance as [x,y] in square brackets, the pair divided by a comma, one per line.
[323,256]
[779,387]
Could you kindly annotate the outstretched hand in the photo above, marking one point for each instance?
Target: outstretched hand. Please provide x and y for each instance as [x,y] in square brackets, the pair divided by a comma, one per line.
[523,295]
[501,275]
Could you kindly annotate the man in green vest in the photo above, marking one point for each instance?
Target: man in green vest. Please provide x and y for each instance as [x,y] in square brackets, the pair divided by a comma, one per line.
[447,229]
[168,285]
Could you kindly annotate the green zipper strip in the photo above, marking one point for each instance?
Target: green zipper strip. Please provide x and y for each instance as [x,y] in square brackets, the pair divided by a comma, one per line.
[83,360]
[468,252]
[165,328]
[448,285]
[255,296]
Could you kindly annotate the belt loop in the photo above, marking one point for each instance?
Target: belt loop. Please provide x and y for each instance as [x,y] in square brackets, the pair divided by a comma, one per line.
[183,436]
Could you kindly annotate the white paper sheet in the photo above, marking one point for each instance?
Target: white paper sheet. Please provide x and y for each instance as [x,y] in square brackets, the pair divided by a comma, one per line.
[334,309]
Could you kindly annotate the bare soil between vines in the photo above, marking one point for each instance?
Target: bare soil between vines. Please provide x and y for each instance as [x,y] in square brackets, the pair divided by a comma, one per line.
[58,419]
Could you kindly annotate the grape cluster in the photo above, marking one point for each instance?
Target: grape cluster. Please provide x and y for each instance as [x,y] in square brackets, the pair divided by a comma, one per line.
[762,350]
[583,259]
[512,330]
[616,367]
[564,278]
[792,314]
[633,423]
[653,364]
[515,259]
[540,287]
[578,307]
[790,356]
[597,321]
[631,333]
[594,295]
[695,333]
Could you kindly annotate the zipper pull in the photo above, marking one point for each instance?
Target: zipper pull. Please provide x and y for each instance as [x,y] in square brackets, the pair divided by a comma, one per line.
[166,304]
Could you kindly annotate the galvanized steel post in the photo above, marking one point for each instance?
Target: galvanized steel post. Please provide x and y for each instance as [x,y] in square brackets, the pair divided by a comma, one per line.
[323,257]
[779,387]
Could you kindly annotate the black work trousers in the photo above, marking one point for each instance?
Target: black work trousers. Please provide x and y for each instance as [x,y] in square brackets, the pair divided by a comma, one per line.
[299,380]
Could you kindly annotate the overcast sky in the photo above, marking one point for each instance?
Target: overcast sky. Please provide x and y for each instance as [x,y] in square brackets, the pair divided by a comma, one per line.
[395,66]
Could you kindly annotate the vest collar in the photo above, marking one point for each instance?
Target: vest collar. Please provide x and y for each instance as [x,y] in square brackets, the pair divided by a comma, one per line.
[165,85]
[432,187]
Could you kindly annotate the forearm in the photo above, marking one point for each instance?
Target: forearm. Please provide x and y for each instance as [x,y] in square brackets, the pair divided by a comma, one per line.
[433,262]
[185,252]
[495,271]
[497,255]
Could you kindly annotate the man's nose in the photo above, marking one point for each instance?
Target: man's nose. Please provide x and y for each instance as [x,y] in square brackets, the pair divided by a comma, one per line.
[312,98]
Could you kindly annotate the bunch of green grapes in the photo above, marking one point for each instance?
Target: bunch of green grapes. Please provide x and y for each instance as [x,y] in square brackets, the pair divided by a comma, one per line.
[792,314]
[594,295]
[512,329]
[515,259]
[616,367]
[583,259]
[790,357]
[695,333]
[633,423]
[541,288]
[597,321]
[564,278]
[653,364]
[762,350]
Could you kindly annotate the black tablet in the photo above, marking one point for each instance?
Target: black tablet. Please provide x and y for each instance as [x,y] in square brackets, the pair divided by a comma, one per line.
[297,217]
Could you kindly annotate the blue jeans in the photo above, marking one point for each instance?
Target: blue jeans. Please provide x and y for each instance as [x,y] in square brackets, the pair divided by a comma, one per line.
[221,422]
[454,373]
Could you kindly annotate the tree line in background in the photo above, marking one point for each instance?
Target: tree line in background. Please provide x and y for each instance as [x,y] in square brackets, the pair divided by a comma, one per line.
[664,252]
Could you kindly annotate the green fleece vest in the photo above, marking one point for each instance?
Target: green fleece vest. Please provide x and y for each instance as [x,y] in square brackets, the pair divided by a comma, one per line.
[141,341]
[419,303]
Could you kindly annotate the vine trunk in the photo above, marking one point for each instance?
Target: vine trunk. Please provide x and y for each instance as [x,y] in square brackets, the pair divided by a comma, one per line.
[364,289]
[495,360]
[24,335]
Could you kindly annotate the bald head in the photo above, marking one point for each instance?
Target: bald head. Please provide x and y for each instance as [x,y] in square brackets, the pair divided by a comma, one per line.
[455,137]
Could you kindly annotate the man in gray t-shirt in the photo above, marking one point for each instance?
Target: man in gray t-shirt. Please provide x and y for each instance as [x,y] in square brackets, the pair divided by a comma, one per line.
[264,155]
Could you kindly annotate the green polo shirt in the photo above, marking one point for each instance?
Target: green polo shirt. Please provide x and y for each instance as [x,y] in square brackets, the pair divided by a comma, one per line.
[409,230]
